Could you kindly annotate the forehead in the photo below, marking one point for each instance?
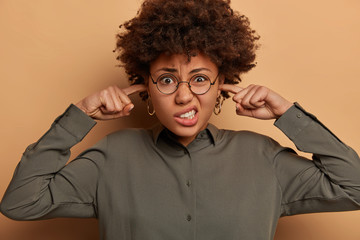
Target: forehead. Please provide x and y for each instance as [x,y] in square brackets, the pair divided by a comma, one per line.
[181,62]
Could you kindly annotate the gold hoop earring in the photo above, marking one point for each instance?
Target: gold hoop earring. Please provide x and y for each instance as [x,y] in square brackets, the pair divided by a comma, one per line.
[218,105]
[148,107]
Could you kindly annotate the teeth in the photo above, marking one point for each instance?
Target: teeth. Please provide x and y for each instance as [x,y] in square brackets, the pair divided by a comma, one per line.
[188,115]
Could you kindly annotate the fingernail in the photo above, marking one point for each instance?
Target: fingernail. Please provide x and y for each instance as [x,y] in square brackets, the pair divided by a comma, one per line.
[131,108]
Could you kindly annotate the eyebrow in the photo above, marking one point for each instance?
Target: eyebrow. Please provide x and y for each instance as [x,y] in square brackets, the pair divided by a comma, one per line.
[174,70]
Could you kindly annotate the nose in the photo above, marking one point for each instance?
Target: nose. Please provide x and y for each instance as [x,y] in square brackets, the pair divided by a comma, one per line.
[183,94]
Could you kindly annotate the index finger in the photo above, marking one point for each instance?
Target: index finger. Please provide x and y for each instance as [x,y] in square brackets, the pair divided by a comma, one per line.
[134,89]
[230,88]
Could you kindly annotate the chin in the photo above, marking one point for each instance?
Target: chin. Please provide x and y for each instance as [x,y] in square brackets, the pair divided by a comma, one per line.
[186,132]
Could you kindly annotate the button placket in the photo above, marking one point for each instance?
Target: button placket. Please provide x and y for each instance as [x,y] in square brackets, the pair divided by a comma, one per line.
[188,185]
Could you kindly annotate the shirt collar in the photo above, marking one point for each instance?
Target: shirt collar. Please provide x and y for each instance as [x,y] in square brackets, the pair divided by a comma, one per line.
[210,129]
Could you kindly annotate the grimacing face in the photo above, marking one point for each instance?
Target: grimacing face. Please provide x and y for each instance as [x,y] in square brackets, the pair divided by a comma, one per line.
[184,113]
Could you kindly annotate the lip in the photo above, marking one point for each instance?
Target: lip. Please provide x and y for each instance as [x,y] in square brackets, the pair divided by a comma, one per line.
[178,114]
[187,122]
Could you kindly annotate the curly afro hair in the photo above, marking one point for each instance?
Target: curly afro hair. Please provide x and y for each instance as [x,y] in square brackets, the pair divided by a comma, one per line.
[185,27]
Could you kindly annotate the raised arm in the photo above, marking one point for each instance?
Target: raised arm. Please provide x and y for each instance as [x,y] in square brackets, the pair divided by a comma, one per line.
[331,182]
[43,186]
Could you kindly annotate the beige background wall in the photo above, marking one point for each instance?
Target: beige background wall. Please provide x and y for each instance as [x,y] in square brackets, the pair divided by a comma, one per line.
[53,53]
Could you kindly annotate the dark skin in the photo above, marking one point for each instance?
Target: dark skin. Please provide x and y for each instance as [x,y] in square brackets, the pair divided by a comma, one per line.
[253,101]
[183,112]
[110,103]
[257,101]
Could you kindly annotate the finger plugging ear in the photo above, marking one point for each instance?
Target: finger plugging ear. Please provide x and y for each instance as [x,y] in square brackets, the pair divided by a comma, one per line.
[230,88]
[251,97]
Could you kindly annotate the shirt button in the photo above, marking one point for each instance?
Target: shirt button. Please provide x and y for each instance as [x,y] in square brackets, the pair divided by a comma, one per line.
[188,218]
[299,115]
[188,183]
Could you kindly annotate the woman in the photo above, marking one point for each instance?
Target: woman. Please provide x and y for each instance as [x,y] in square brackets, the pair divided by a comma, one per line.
[185,179]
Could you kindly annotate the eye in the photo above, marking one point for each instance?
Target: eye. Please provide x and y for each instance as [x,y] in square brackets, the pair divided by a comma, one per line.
[199,80]
[166,80]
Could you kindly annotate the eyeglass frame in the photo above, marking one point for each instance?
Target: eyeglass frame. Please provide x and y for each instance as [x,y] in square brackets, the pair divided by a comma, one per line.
[178,83]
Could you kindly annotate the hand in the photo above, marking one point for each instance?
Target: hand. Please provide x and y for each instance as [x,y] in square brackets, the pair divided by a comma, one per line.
[110,103]
[257,101]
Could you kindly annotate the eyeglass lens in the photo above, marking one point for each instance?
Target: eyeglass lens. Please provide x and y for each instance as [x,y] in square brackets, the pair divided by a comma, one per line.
[198,84]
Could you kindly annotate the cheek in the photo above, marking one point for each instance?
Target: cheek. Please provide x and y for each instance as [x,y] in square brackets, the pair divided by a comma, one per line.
[214,95]
[208,101]
[159,101]
[153,93]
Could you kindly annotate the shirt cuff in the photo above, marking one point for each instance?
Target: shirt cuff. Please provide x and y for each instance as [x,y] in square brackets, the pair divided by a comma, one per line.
[76,122]
[294,120]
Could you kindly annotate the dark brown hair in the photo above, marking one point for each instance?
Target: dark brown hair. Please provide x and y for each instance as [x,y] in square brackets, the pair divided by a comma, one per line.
[184,27]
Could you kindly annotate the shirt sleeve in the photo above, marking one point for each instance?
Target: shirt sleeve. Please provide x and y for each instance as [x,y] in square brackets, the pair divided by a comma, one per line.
[331,182]
[43,187]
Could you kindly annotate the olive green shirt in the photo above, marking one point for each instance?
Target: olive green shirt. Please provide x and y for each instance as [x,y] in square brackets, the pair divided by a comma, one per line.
[144,185]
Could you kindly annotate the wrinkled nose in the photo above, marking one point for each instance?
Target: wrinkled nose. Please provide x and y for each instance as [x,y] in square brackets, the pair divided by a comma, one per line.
[183,94]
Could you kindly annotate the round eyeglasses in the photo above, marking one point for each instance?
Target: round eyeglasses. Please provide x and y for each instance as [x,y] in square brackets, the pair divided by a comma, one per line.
[199,84]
